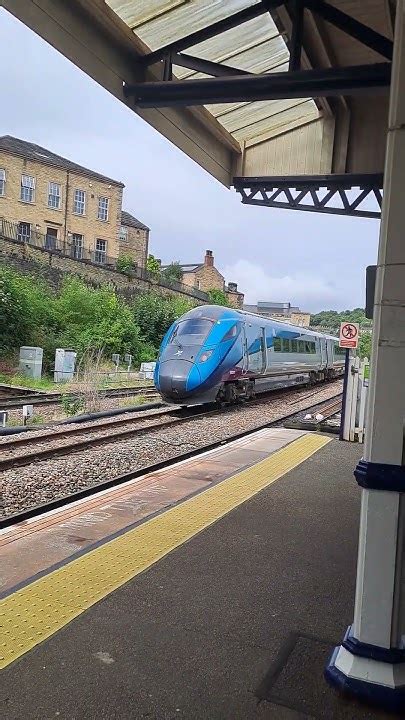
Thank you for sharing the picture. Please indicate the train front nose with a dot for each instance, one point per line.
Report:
(173, 377)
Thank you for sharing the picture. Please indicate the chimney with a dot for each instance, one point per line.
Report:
(209, 259)
(232, 287)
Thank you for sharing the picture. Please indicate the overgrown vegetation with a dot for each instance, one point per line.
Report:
(81, 318)
(125, 263)
(218, 297)
(173, 272)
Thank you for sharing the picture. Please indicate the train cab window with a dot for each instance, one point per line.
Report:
(232, 333)
(195, 329)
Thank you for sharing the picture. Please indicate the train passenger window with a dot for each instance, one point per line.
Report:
(294, 346)
(277, 344)
(286, 345)
(196, 329)
(232, 332)
(301, 346)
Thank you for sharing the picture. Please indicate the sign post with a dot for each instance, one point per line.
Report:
(348, 338)
(349, 335)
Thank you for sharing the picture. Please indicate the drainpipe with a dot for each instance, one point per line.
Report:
(66, 209)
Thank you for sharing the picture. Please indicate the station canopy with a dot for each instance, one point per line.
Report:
(258, 92)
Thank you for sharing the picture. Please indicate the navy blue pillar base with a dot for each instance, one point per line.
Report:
(389, 699)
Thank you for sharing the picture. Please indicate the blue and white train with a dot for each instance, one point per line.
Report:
(214, 353)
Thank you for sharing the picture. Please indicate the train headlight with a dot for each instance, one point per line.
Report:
(205, 355)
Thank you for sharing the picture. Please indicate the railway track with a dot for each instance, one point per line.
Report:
(166, 417)
(53, 398)
(326, 406)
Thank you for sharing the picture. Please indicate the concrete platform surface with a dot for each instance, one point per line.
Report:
(233, 624)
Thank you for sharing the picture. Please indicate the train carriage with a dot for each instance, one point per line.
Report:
(214, 353)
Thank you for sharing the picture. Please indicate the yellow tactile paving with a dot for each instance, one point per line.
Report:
(36, 612)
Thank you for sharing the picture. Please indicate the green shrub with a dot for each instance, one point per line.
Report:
(125, 264)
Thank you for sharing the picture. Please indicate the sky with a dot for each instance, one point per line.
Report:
(311, 260)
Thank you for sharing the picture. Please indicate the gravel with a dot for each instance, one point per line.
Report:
(46, 480)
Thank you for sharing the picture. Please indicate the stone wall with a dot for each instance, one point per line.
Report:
(54, 268)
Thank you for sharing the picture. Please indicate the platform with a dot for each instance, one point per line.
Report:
(219, 595)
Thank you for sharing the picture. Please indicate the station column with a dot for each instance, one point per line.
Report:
(370, 662)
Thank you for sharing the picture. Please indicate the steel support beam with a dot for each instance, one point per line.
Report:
(316, 193)
(297, 9)
(273, 86)
(372, 39)
(206, 66)
(212, 30)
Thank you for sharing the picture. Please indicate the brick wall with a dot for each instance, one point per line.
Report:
(54, 268)
(63, 220)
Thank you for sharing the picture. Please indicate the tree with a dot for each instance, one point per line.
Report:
(173, 272)
(153, 265)
(365, 345)
(218, 297)
(154, 315)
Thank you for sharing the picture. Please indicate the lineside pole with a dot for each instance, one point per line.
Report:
(370, 662)
(344, 397)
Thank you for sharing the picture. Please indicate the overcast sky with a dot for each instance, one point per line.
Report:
(314, 261)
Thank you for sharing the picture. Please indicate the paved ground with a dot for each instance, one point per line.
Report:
(197, 635)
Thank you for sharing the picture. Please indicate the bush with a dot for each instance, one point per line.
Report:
(173, 272)
(154, 315)
(125, 264)
(218, 297)
(153, 265)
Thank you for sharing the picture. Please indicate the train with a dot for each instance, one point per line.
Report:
(224, 355)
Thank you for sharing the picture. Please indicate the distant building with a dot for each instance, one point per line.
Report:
(133, 239)
(280, 311)
(57, 203)
(204, 276)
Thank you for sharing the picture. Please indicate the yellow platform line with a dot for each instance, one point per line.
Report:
(36, 612)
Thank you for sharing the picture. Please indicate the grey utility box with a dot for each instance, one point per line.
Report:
(65, 361)
(31, 361)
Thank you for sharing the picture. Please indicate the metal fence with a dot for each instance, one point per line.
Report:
(26, 234)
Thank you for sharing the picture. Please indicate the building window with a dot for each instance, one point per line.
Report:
(54, 195)
(2, 182)
(123, 233)
(27, 188)
(103, 203)
(100, 255)
(79, 202)
(24, 231)
(77, 246)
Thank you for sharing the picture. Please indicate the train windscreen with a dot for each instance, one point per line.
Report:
(192, 331)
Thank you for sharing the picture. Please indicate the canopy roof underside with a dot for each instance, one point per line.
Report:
(255, 46)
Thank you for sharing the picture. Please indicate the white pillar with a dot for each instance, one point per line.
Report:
(371, 660)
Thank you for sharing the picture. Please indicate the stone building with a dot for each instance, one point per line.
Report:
(59, 204)
(205, 276)
(133, 239)
(280, 311)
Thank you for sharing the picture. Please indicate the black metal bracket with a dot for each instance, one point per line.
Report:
(314, 193)
(327, 82)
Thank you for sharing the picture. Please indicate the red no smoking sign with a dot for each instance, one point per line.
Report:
(349, 335)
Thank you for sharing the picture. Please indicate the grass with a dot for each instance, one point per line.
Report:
(47, 383)
(44, 383)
